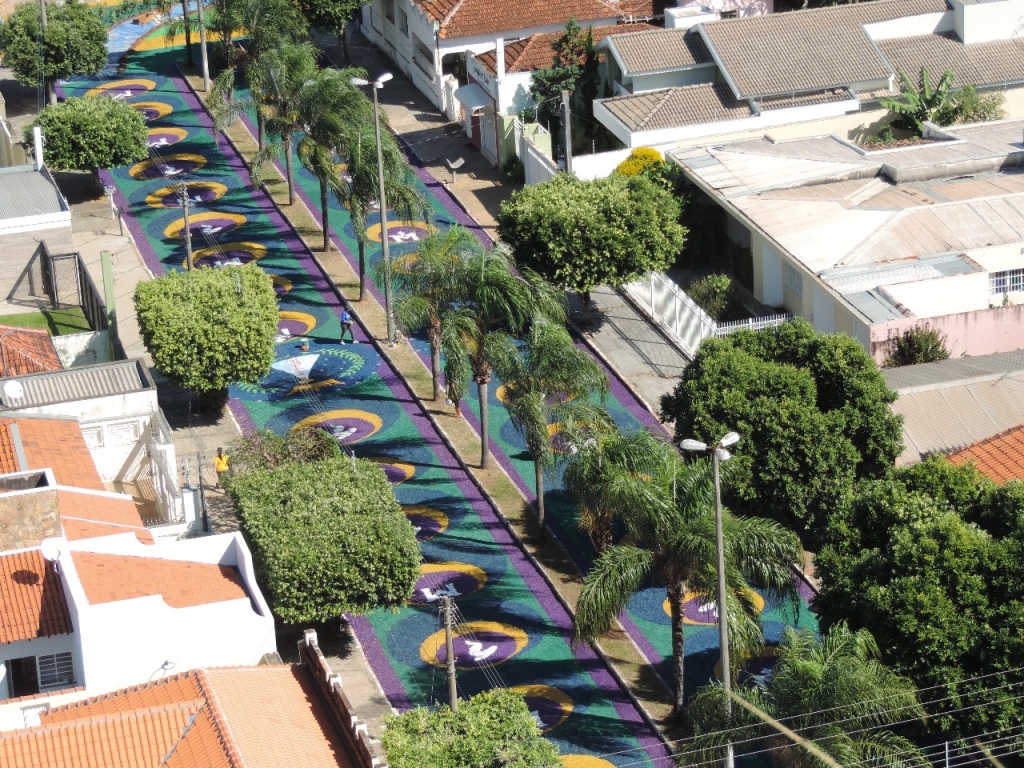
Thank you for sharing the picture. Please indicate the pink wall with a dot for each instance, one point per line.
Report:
(981, 332)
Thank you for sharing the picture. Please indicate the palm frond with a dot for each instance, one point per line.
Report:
(615, 578)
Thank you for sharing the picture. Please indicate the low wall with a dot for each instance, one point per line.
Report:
(83, 348)
(599, 166)
(980, 332)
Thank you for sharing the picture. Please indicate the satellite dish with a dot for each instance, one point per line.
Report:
(51, 549)
(13, 390)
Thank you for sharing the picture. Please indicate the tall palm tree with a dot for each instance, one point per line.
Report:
(497, 303)
(546, 380)
(833, 690)
(668, 509)
(282, 76)
(921, 102)
(401, 191)
(330, 112)
(426, 287)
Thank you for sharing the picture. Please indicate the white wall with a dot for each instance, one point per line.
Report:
(86, 348)
(742, 7)
(676, 78)
(942, 296)
(911, 26)
(983, 22)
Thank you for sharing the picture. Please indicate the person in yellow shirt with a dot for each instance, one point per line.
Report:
(220, 464)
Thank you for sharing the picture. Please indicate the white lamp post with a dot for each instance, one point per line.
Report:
(377, 84)
(719, 454)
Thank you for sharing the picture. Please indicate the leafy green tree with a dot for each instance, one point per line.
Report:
(209, 328)
(582, 234)
(668, 510)
(327, 538)
(496, 303)
(834, 689)
(331, 16)
(263, 449)
(91, 133)
(426, 287)
(812, 409)
(715, 294)
(575, 68)
(548, 379)
(916, 345)
(493, 729)
(75, 43)
(920, 103)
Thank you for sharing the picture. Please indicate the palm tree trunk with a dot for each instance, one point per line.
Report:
(344, 43)
(261, 129)
(602, 536)
(538, 471)
(434, 335)
(288, 166)
(585, 298)
(362, 267)
(188, 33)
(323, 210)
(676, 592)
(485, 453)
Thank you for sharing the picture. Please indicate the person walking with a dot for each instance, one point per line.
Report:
(220, 465)
(346, 326)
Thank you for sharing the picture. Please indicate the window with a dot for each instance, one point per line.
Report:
(22, 677)
(56, 670)
(423, 56)
(793, 280)
(728, 14)
(403, 22)
(389, 10)
(1007, 281)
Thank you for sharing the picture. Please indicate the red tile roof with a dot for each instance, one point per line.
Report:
(88, 515)
(26, 350)
(257, 717)
(536, 52)
(462, 18)
(54, 443)
(1000, 457)
(108, 578)
(32, 602)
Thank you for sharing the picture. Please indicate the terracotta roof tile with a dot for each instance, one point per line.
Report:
(183, 686)
(107, 578)
(8, 456)
(32, 602)
(461, 18)
(1000, 457)
(54, 443)
(26, 350)
(536, 52)
(88, 515)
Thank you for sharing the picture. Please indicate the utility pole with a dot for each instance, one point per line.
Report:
(449, 645)
(202, 49)
(51, 90)
(186, 231)
(568, 131)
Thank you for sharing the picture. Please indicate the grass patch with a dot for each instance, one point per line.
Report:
(58, 322)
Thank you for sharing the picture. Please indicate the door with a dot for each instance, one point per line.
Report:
(489, 138)
(22, 677)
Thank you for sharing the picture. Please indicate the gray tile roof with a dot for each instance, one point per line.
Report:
(82, 383)
(810, 50)
(978, 64)
(804, 99)
(24, 191)
(671, 107)
(663, 49)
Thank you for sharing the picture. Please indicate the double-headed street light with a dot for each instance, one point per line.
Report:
(378, 84)
(720, 454)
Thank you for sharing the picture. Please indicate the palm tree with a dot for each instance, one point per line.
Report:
(833, 690)
(668, 509)
(282, 76)
(426, 287)
(546, 380)
(497, 302)
(401, 191)
(920, 103)
(331, 110)
(178, 26)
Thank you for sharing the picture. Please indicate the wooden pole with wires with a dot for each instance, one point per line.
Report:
(449, 646)
(186, 230)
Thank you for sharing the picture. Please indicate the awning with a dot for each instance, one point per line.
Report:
(474, 99)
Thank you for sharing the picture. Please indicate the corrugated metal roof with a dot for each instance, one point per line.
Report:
(71, 384)
(955, 371)
(24, 191)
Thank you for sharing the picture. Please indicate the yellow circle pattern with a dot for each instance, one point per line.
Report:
(344, 413)
(156, 200)
(551, 694)
(374, 232)
(162, 109)
(434, 514)
(138, 169)
(174, 229)
(757, 599)
(106, 88)
(430, 646)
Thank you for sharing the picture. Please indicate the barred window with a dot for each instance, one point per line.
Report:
(389, 10)
(1007, 281)
(56, 670)
(793, 280)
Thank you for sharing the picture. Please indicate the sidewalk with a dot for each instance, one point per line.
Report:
(641, 356)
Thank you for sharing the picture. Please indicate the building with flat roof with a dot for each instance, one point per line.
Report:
(871, 243)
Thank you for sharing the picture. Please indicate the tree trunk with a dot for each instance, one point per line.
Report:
(323, 210)
(485, 452)
(288, 166)
(434, 335)
(538, 471)
(51, 92)
(362, 267)
(602, 536)
(585, 298)
(261, 129)
(188, 32)
(676, 592)
(343, 41)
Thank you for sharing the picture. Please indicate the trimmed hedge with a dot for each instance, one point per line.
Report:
(327, 539)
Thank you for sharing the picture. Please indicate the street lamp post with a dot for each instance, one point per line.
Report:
(377, 84)
(719, 454)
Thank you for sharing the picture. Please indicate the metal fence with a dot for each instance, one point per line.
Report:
(685, 323)
(164, 474)
(68, 284)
